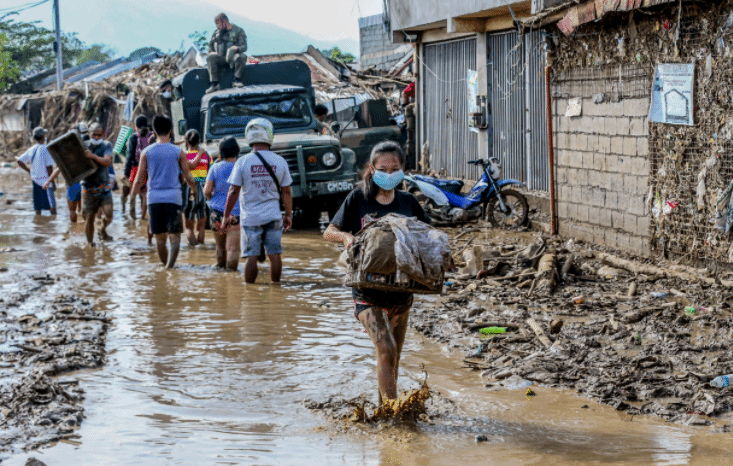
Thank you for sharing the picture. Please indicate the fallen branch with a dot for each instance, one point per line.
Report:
(671, 271)
(538, 331)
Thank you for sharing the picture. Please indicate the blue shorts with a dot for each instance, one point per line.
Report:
(271, 233)
(73, 193)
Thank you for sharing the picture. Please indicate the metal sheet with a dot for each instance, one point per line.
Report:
(517, 101)
(444, 118)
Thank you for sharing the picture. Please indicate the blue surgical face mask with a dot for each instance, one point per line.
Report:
(388, 181)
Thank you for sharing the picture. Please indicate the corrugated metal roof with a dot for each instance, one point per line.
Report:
(121, 67)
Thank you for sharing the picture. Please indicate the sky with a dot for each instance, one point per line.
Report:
(272, 26)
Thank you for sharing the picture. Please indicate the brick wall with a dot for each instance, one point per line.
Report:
(602, 172)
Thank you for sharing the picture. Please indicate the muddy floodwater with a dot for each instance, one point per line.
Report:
(203, 369)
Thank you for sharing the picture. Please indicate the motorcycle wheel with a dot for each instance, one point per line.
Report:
(516, 214)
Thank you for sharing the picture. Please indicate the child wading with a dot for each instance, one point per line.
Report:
(194, 205)
(383, 314)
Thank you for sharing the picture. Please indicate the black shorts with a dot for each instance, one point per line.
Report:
(393, 303)
(165, 218)
(217, 216)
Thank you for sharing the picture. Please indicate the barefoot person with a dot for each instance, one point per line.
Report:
(137, 143)
(261, 187)
(215, 190)
(38, 162)
(382, 313)
(161, 164)
(194, 207)
(96, 189)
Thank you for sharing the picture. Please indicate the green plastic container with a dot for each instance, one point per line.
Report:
(125, 133)
(492, 330)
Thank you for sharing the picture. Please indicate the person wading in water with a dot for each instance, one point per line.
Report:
(383, 314)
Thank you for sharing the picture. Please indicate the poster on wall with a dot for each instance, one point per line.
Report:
(472, 83)
(672, 94)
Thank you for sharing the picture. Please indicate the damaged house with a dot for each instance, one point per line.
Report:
(651, 187)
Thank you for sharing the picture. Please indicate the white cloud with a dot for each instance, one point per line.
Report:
(320, 19)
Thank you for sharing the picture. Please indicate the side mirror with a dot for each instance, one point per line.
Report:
(182, 127)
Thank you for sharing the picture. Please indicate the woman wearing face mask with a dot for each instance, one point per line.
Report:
(382, 313)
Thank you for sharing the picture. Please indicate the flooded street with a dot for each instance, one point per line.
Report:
(203, 369)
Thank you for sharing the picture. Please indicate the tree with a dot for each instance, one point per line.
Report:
(201, 40)
(9, 71)
(143, 51)
(98, 52)
(31, 47)
(336, 54)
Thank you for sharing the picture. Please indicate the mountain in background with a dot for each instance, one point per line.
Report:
(126, 26)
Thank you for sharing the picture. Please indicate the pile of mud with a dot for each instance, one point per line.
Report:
(65, 334)
(645, 343)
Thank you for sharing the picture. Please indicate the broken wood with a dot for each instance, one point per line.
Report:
(538, 331)
(547, 273)
(670, 271)
(632, 289)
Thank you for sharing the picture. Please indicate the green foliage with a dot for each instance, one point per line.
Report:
(336, 54)
(98, 52)
(31, 47)
(142, 51)
(9, 71)
(200, 39)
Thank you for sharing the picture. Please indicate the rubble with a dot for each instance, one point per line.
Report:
(66, 334)
(653, 351)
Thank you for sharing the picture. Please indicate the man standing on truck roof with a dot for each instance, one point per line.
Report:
(263, 179)
(226, 48)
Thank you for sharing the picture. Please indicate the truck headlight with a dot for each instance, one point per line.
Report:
(329, 159)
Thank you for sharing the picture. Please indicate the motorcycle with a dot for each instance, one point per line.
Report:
(490, 198)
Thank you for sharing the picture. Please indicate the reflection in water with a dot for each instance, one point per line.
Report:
(203, 369)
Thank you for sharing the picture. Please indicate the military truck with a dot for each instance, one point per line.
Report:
(323, 171)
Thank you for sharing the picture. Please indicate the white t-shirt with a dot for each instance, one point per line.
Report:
(258, 199)
(38, 158)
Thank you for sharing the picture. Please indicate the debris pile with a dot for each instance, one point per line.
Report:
(101, 102)
(616, 330)
(63, 336)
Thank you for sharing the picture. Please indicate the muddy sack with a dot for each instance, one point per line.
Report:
(400, 246)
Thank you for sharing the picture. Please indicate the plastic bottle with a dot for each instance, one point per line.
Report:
(492, 330)
(721, 381)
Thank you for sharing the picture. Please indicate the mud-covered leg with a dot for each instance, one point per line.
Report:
(375, 322)
(398, 324)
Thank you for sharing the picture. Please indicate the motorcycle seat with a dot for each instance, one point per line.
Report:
(452, 186)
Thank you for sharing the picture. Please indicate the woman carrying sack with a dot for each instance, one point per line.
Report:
(383, 314)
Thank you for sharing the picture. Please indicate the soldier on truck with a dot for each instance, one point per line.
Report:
(226, 49)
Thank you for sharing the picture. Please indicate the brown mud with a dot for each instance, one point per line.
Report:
(200, 368)
(644, 344)
(63, 335)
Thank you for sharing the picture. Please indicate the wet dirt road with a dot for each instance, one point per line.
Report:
(202, 369)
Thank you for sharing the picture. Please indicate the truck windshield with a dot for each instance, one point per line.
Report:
(283, 110)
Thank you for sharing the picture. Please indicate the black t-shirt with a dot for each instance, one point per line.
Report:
(350, 217)
(99, 178)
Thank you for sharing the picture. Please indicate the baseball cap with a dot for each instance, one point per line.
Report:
(39, 131)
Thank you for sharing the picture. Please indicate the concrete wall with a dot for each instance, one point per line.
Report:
(405, 14)
(376, 47)
(602, 173)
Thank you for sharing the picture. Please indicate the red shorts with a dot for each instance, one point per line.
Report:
(133, 174)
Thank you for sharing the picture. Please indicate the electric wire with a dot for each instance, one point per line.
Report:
(19, 8)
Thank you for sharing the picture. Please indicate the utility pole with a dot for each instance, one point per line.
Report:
(59, 62)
